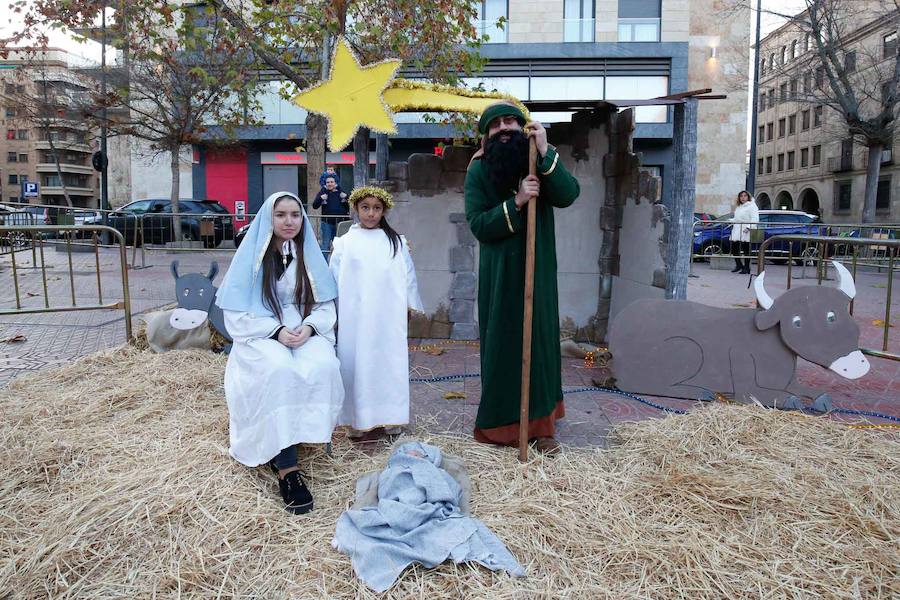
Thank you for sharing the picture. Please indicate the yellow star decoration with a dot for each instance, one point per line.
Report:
(351, 97)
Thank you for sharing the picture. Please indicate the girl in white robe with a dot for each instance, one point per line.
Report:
(376, 283)
(282, 380)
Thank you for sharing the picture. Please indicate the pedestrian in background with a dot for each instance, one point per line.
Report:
(746, 215)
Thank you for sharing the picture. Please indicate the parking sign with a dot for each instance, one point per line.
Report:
(30, 189)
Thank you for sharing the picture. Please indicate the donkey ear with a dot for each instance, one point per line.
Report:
(213, 269)
(766, 319)
(175, 269)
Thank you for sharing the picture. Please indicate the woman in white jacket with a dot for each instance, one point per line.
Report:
(746, 215)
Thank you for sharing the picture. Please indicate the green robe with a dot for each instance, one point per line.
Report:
(501, 232)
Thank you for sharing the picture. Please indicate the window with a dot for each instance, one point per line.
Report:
(790, 160)
(770, 131)
(639, 88)
(759, 166)
(12, 157)
(578, 20)
(883, 195)
(762, 67)
(783, 93)
(804, 120)
(761, 136)
(52, 181)
(762, 102)
(489, 11)
(22, 134)
(781, 162)
(820, 77)
(889, 44)
(768, 164)
(850, 61)
(817, 116)
(10, 134)
(793, 95)
(808, 42)
(772, 61)
(639, 20)
(807, 82)
(792, 124)
(794, 49)
(842, 196)
(13, 178)
(781, 128)
(10, 88)
(23, 158)
(804, 157)
(10, 111)
(771, 98)
(817, 155)
(783, 55)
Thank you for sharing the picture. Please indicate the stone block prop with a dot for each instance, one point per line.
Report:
(462, 311)
(425, 172)
(398, 170)
(462, 258)
(463, 286)
(464, 331)
(457, 158)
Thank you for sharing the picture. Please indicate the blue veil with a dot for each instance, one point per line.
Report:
(241, 289)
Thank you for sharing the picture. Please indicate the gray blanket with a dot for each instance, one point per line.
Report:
(417, 520)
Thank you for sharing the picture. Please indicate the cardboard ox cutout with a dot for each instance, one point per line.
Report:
(196, 296)
(687, 350)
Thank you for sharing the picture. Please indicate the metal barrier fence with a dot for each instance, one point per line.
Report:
(15, 240)
(38, 243)
(711, 239)
(826, 246)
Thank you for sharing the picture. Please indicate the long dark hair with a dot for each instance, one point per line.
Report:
(303, 292)
(392, 235)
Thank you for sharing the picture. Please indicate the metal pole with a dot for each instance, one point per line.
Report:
(751, 172)
(104, 177)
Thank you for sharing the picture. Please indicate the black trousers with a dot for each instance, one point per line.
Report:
(741, 249)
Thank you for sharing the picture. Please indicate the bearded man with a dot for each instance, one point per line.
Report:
(498, 189)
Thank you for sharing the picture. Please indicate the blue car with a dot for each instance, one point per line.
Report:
(713, 237)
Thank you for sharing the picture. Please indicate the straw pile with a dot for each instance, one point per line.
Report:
(115, 482)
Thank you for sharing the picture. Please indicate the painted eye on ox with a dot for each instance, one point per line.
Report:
(796, 321)
(830, 317)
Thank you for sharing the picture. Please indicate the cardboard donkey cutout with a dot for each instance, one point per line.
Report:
(196, 297)
(688, 350)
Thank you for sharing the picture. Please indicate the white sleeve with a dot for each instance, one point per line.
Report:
(243, 326)
(413, 300)
(334, 262)
(322, 318)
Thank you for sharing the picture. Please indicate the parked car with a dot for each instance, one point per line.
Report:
(714, 237)
(702, 216)
(156, 217)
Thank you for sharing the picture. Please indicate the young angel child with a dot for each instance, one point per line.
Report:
(376, 283)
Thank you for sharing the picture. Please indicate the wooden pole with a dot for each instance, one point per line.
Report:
(529, 306)
(681, 202)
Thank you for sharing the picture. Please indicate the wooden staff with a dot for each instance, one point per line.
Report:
(529, 308)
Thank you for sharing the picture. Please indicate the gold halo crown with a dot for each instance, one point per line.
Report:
(370, 190)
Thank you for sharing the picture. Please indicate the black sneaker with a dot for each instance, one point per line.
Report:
(297, 497)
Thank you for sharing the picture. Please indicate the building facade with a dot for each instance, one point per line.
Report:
(805, 158)
(42, 125)
(570, 50)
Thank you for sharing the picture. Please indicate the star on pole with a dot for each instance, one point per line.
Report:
(352, 97)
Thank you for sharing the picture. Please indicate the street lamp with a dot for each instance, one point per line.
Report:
(104, 175)
(751, 171)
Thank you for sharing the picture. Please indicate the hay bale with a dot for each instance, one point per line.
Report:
(121, 486)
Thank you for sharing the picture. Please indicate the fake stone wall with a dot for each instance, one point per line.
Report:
(430, 212)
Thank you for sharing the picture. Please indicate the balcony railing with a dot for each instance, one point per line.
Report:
(887, 157)
(837, 164)
(639, 30)
(65, 168)
(578, 30)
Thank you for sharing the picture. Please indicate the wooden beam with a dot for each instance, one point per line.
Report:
(681, 203)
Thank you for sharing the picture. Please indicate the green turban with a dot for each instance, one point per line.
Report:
(499, 109)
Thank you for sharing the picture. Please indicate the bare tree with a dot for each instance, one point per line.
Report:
(832, 63)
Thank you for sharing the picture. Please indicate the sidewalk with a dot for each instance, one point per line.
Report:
(58, 338)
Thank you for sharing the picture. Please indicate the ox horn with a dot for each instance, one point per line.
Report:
(764, 299)
(845, 280)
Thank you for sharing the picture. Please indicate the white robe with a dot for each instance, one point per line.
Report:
(278, 396)
(374, 290)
